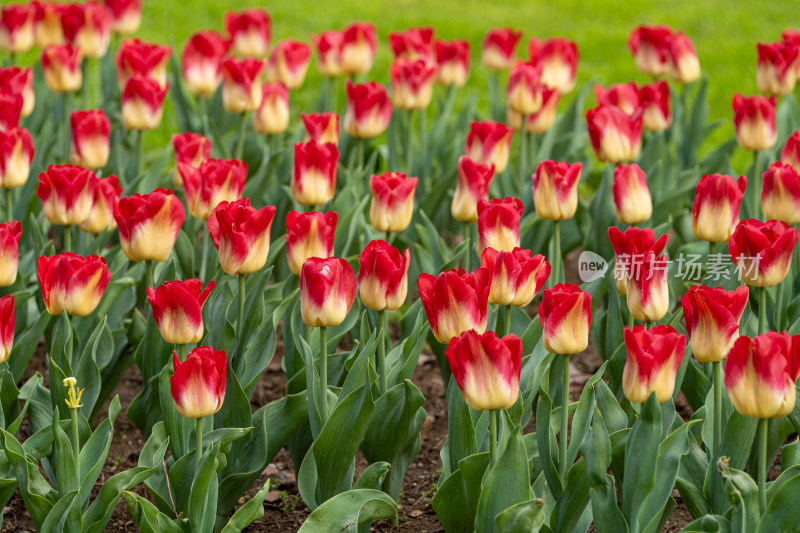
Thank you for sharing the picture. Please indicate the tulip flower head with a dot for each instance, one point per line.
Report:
(6, 326)
(489, 143)
(629, 247)
(10, 233)
(201, 62)
(191, 149)
(10, 111)
(329, 49)
(250, 31)
(241, 234)
(654, 100)
(143, 103)
(369, 110)
(16, 155)
(762, 251)
(273, 115)
(392, 205)
(632, 202)
(712, 320)
(67, 194)
(715, 212)
(197, 385)
(101, 215)
(777, 67)
(754, 118)
(314, 176)
(647, 290)
(71, 283)
(790, 154)
(140, 58)
(241, 84)
(412, 83)
(780, 197)
(559, 59)
(149, 224)
(359, 44)
(542, 120)
(61, 65)
(555, 189)
(178, 309)
(89, 146)
(288, 63)
(654, 356)
(327, 291)
(47, 23)
(309, 235)
(452, 60)
(413, 44)
(88, 27)
(499, 48)
(19, 81)
(455, 301)
(516, 276)
(126, 15)
(524, 93)
(472, 187)
(622, 95)
(566, 315)
(616, 137)
(215, 181)
(16, 28)
(498, 224)
(383, 276)
(321, 127)
(650, 47)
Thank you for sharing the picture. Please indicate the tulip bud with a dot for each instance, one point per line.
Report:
(88, 27)
(777, 67)
(10, 233)
(329, 48)
(654, 356)
(6, 326)
(71, 283)
(126, 15)
(359, 43)
(178, 309)
(712, 320)
(489, 143)
(754, 117)
(142, 103)
(392, 201)
(16, 154)
(412, 83)
(139, 58)
(622, 95)
(191, 149)
(650, 47)
(647, 289)
(327, 291)
(149, 224)
(683, 66)
(559, 60)
(288, 63)
(89, 146)
(654, 99)
(780, 197)
(368, 111)
(632, 202)
(566, 315)
(790, 155)
(10, 111)
(241, 234)
(473, 186)
(47, 23)
(498, 224)
(67, 193)
(16, 28)
(309, 235)
(555, 189)
(452, 60)
(455, 301)
(760, 374)
(197, 385)
(101, 215)
(201, 62)
(61, 65)
(215, 181)
(273, 115)
(516, 277)
(524, 92)
(19, 81)
(629, 247)
(250, 32)
(413, 44)
(715, 212)
(616, 137)
(486, 368)
(542, 120)
(241, 87)
(383, 276)
(762, 251)
(314, 176)
(499, 48)
(321, 127)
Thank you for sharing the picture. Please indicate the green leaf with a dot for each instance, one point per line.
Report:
(597, 450)
(95, 450)
(461, 440)
(546, 444)
(570, 507)
(61, 516)
(26, 344)
(456, 501)
(709, 524)
(346, 511)
(524, 517)
(781, 513)
(247, 513)
(203, 496)
(738, 437)
(372, 477)
(743, 492)
(148, 517)
(641, 449)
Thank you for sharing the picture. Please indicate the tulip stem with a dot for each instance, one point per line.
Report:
(148, 273)
(137, 141)
(360, 154)
(198, 439)
(67, 127)
(76, 439)
(9, 211)
(507, 320)
(67, 239)
(204, 257)
(712, 249)
(557, 252)
(763, 433)
(410, 143)
(421, 135)
(492, 435)
(323, 373)
(181, 351)
(717, 365)
(241, 306)
(240, 139)
(523, 152)
(381, 361)
(562, 441)
(756, 185)
(466, 237)
(762, 310)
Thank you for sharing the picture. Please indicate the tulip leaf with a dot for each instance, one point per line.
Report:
(738, 437)
(790, 455)
(248, 457)
(25, 344)
(64, 516)
(147, 517)
(247, 513)
(597, 450)
(571, 507)
(203, 496)
(373, 476)
(582, 419)
(346, 511)
(456, 501)
(641, 449)
(708, 524)
(547, 443)
(613, 415)
(283, 417)
(523, 517)
(403, 358)
(781, 512)
(95, 450)
(743, 492)
(461, 439)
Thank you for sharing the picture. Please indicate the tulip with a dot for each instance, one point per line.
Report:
(16, 28)
(288, 63)
(489, 143)
(791, 36)
(126, 15)
(498, 224)
(149, 224)
(392, 201)
(473, 186)
(566, 314)
(555, 189)
(19, 81)
(273, 115)
(542, 120)
(16, 154)
(201, 62)
(683, 66)
(754, 117)
(762, 251)
(10, 233)
(241, 87)
(321, 127)
(191, 149)
(712, 320)
(142, 103)
(383, 276)
(10, 111)
(780, 198)
(7, 325)
(88, 27)
(71, 283)
(455, 301)
(452, 60)
(412, 83)
(654, 356)
(241, 234)
(139, 58)
(777, 67)
(790, 154)
(250, 32)
(314, 176)
(329, 48)
(524, 92)
(197, 385)
(61, 65)
(47, 27)
(647, 289)
(178, 309)
(650, 47)
(101, 216)
(715, 212)
(654, 99)
(499, 48)
(89, 146)
(632, 202)
(616, 137)
(309, 235)
(622, 95)
(629, 248)
(369, 110)
(67, 193)
(359, 43)
(215, 181)
(516, 277)
(327, 291)
(413, 44)
(559, 60)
